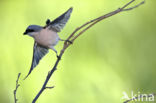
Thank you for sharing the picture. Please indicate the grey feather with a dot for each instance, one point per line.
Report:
(60, 22)
(38, 53)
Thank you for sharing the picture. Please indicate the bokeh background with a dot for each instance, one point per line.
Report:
(117, 55)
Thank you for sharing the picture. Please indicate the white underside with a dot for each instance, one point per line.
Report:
(47, 38)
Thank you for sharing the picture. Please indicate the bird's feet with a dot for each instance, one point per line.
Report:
(68, 41)
(58, 57)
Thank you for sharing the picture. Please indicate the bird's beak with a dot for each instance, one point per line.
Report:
(25, 33)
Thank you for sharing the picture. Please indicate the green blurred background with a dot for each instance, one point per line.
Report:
(116, 55)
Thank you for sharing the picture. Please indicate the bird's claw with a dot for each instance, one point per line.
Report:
(58, 57)
(68, 41)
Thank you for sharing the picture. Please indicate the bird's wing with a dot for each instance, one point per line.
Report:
(38, 53)
(59, 22)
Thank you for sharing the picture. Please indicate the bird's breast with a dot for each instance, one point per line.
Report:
(47, 38)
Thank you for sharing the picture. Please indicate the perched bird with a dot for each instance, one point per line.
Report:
(46, 37)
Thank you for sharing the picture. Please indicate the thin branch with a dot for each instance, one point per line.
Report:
(73, 37)
(127, 4)
(134, 6)
(49, 87)
(107, 15)
(17, 85)
(140, 96)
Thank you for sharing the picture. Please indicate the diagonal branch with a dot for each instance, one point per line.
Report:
(74, 35)
(15, 91)
(135, 6)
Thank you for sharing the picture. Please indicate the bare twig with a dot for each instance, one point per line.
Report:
(140, 96)
(49, 87)
(135, 6)
(17, 85)
(74, 36)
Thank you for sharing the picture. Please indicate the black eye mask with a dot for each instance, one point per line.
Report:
(28, 31)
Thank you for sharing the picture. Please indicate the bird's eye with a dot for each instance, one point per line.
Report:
(29, 30)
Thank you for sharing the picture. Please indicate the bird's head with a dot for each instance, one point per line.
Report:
(32, 30)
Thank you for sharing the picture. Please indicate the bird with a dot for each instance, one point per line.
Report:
(46, 37)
